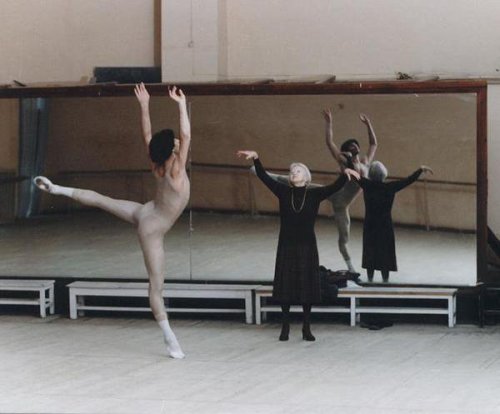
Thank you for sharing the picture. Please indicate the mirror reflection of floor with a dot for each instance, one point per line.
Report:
(224, 247)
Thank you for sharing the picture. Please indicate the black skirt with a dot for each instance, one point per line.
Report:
(296, 276)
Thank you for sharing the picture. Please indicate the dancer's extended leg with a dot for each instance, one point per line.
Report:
(123, 209)
(154, 257)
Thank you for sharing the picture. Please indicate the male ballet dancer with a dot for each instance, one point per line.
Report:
(155, 218)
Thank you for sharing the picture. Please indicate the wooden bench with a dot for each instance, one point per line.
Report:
(21, 285)
(79, 290)
(355, 295)
(447, 297)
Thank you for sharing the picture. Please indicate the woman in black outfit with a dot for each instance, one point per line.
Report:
(296, 276)
(379, 247)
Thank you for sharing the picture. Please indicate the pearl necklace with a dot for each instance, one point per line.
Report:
(303, 201)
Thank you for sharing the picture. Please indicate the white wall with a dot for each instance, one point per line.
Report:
(62, 40)
(351, 39)
(190, 40)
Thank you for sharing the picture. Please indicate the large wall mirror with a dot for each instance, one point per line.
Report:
(236, 222)
(230, 230)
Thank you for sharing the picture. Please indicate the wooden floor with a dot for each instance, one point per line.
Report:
(115, 365)
(221, 247)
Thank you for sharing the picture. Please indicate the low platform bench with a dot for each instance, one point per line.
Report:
(447, 298)
(78, 291)
(44, 288)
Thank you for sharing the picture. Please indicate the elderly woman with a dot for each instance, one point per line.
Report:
(379, 247)
(296, 276)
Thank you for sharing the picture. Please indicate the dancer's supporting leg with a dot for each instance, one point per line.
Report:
(306, 327)
(151, 241)
(285, 322)
(343, 222)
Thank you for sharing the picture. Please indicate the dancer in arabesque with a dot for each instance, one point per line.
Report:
(153, 219)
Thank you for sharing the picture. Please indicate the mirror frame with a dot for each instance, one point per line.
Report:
(270, 87)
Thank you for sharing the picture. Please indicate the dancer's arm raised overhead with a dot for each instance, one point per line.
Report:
(143, 97)
(335, 151)
(372, 138)
(185, 130)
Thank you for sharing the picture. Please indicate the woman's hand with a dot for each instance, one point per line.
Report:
(426, 169)
(177, 95)
(247, 154)
(142, 94)
(351, 174)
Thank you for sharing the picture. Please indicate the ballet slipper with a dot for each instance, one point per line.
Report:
(43, 183)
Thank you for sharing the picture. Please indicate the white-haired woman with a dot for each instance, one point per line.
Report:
(379, 246)
(296, 276)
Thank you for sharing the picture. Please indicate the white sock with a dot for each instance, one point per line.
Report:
(173, 347)
(44, 184)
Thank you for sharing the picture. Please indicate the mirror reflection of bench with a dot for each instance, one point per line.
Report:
(445, 301)
(44, 288)
(78, 291)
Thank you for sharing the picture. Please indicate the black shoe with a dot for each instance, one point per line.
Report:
(307, 335)
(285, 330)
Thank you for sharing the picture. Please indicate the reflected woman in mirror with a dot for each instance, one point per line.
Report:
(154, 219)
(347, 157)
(379, 248)
(296, 276)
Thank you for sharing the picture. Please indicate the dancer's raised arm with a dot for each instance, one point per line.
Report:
(372, 138)
(335, 151)
(184, 126)
(143, 97)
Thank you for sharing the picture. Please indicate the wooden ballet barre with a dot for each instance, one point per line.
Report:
(80, 290)
(355, 309)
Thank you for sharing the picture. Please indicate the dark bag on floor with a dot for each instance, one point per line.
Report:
(331, 281)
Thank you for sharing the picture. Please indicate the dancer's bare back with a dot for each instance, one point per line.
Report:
(172, 182)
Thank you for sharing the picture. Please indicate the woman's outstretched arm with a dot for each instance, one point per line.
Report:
(269, 182)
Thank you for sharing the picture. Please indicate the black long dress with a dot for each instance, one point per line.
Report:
(379, 247)
(296, 275)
